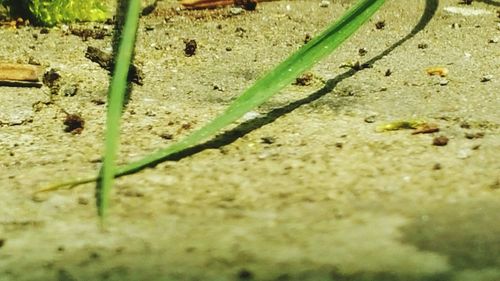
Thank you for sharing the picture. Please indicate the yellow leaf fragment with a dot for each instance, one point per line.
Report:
(437, 70)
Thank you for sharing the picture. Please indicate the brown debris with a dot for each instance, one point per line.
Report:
(74, 124)
(440, 141)
(190, 47)
(426, 128)
(105, 60)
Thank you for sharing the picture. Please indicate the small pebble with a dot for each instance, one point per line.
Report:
(443, 82)
(440, 141)
(236, 11)
(493, 40)
(250, 115)
(324, 4)
(370, 119)
(486, 78)
(423, 46)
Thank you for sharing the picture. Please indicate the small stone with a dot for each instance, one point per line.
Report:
(370, 119)
(486, 78)
(423, 46)
(493, 40)
(236, 11)
(250, 115)
(440, 141)
(190, 47)
(443, 82)
(324, 4)
(380, 24)
(268, 140)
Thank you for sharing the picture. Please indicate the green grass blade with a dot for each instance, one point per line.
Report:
(281, 76)
(116, 95)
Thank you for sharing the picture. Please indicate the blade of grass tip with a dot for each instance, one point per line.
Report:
(116, 94)
(279, 77)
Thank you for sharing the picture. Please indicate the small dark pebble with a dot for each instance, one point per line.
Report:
(440, 141)
(50, 77)
(2, 242)
(149, 9)
(304, 80)
(362, 51)
(268, 140)
(307, 38)
(423, 46)
(465, 125)
(229, 49)
(94, 33)
(44, 30)
(249, 5)
(190, 47)
(477, 135)
(437, 166)
(166, 136)
(360, 66)
(98, 101)
(380, 24)
(339, 145)
(245, 274)
(60, 249)
(388, 72)
(74, 124)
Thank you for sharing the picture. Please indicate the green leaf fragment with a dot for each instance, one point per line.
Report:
(52, 12)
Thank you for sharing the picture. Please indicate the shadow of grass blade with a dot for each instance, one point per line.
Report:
(116, 95)
(279, 77)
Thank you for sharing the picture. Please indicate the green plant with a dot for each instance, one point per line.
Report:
(116, 94)
(52, 12)
(282, 75)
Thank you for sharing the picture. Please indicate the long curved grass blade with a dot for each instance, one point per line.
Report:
(116, 95)
(281, 76)
(274, 81)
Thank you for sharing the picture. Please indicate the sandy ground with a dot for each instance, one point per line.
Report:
(307, 190)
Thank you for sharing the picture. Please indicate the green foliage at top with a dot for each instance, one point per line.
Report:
(52, 12)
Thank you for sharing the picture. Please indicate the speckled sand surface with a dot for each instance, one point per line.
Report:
(306, 191)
